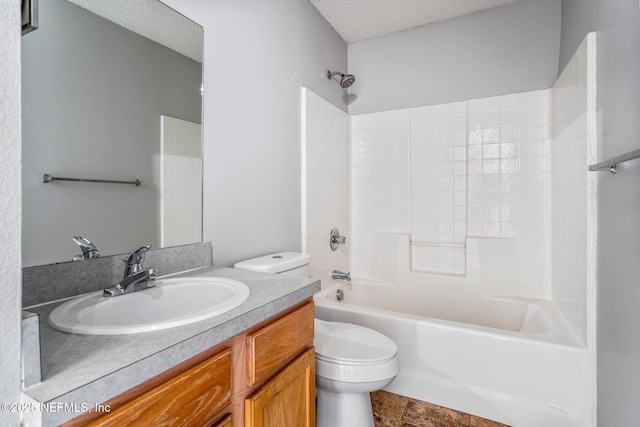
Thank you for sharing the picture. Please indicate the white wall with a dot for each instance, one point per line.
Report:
(10, 207)
(257, 57)
(494, 52)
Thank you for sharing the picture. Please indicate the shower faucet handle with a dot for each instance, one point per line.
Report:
(336, 239)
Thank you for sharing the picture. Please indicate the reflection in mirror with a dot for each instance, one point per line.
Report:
(102, 102)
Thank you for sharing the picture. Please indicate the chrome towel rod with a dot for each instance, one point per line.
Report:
(611, 165)
(48, 178)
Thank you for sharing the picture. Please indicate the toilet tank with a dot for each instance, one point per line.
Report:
(293, 264)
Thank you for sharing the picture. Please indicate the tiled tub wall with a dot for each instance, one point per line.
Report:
(574, 189)
(455, 194)
(325, 183)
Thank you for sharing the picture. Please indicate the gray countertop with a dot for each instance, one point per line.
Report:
(84, 370)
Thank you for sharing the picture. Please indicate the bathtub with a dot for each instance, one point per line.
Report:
(511, 360)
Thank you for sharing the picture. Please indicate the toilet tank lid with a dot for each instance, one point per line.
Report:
(274, 263)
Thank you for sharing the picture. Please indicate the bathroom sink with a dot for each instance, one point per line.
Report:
(172, 302)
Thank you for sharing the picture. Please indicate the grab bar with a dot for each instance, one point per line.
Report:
(611, 165)
(48, 178)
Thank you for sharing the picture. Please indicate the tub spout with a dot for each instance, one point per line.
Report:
(340, 275)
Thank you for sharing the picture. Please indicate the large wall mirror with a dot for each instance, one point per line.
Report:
(102, 102)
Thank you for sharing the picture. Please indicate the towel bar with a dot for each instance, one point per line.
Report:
(48, 178)
(611, 165)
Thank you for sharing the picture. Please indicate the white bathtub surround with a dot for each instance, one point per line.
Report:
(180, 182)
(574, 214)
(574, 188)
(449, 176)
(512, 360)
(325, 183)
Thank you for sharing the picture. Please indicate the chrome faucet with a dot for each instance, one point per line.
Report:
(340, 275)
(87, 248)
(135, 277)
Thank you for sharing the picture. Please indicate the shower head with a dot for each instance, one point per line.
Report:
(346, 80)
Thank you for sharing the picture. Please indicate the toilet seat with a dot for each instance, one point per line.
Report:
(351, 344)
(353, 353)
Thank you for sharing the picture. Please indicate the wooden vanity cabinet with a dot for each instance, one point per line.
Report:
(264, 376)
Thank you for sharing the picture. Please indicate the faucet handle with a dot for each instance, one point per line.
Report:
(87, 248)
(336, 239)
(133, 262)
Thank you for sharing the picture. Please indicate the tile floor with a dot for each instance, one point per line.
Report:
(392, 410)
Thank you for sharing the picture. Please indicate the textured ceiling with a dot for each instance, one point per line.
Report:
(153, 20)
(357, 20)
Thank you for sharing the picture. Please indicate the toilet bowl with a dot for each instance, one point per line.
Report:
(351, 360)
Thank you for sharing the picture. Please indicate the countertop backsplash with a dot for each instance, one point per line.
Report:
(45, 283)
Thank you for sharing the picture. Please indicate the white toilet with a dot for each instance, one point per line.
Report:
(351, 360)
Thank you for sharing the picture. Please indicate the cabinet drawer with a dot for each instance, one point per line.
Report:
(193, 398)
(272, 346)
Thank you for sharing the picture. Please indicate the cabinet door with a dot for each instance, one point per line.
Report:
(193, 398)
(225, 422)
(288, 399)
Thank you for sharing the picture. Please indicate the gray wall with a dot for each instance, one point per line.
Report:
(93, 93)
(618, 25)
(10, 222)
(578, 19)
(257, 56)
(495, 52)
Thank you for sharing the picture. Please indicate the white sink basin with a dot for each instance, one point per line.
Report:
(172, 302)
